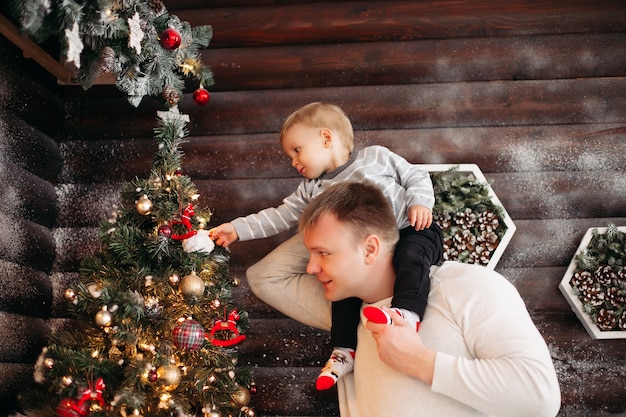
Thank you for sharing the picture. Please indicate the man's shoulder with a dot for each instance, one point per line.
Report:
(471, 276)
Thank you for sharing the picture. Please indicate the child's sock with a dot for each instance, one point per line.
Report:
(378, 315)
(340, 363)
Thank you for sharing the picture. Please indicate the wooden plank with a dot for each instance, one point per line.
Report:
(34, 51)
(28, 147)
(494, 149)
(403, 20)
(289, 390)
(28, 196)
(22, 337)
(418, 62)
(471, 104)
(525, 195)
(24, 290)
(26, 243)
(14, 377)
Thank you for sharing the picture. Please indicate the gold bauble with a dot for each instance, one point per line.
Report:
(103, 317)
(143, 205)
(212, 411)
(169, 377)
(241, 397)
(192, 286)
(70, 294)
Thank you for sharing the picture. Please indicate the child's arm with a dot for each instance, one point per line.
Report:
(420, 217)
(224, 234)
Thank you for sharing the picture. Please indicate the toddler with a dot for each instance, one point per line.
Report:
(319, 140)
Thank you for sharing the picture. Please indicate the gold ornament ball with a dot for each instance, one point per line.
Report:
(212, 412)
(169, 376)
(174, 279)
(192, 286)
(143, 205)
(103, 317)
(241, 397)
(70, 294)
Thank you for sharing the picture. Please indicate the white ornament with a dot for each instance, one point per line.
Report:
(136, 34)
(74, 45)
(200, 242)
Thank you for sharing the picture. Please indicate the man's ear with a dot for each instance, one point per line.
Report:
(327, 137)
(371, 246)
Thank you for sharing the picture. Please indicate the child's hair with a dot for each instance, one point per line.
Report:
(322, 115)
(360, 205)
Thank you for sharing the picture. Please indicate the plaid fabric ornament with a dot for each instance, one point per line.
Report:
(188, 335)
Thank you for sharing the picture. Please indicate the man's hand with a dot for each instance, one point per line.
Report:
(401, 347)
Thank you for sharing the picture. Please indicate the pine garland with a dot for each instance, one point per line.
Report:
(121, 37)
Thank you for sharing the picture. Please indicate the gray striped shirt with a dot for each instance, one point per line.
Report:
(403, 184)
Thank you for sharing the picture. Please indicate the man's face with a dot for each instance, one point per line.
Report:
(335, 259)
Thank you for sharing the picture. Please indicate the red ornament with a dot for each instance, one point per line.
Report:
(228, 325)
(165, 230)
(185, 220)
(152, 375)
(188, 335)
(170, 39)
(201, 96)
(93, 393)
(69, 407)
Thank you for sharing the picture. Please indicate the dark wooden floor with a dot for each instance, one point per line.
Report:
(531, 91)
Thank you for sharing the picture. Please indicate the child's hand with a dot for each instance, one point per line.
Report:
(420, 217)
(224, 234)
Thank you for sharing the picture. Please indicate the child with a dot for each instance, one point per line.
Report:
(319, 140)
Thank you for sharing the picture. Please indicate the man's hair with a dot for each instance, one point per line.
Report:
(360, 205)
(322, 115)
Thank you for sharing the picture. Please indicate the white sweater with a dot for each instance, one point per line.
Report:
(492, 360)
(403, 184)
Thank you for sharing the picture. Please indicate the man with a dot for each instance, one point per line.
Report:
(477, 351)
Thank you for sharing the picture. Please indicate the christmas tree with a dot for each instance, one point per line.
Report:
(149, 51)
(156, 333)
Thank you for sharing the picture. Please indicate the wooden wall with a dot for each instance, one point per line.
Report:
(30, 116)
(531, 91)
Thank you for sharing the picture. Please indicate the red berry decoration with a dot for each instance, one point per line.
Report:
(188, 335)
(170, 39)
(201, 96)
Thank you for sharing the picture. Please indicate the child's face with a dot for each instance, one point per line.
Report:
(309, 150)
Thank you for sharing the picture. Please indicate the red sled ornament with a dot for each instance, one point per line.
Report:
(93, 393)
(228, 325)
(185, 220)
(68, 407)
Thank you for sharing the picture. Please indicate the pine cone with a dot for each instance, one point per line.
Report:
(621, 323)
(581, 280)
(107, 60)
(621, 276)
(604, 275)
(606, 319)
(157, 6)
(466, 219)
(170, 94)
(465, 240)
(490, 239)
(443, 220)
(481, 254)
(616, 297)
(593, 296)
(488, 221)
